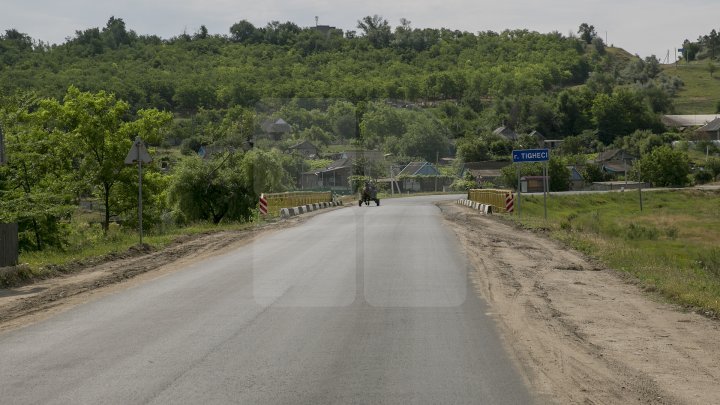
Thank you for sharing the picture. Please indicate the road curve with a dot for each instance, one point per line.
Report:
(359, 305)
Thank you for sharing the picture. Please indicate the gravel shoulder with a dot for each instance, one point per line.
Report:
(585, 334)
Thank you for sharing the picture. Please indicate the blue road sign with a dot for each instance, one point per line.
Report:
(530, 155)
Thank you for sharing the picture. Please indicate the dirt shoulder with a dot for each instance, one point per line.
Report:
(31, 303)
(584, 334)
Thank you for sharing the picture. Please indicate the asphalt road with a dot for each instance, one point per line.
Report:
(359, 305)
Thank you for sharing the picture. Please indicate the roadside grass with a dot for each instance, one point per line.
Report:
(699, 95)
(88, 244)
(671, 246)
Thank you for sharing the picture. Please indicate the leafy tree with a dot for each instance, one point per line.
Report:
(473, 149)
(342, 118)
(587, 32)
(379, 122)
(592, 173)
(35, 180)
(114, 34)
(101, 136)
(713, 166)
(664, 167)
(245, 32)
(376, 30)
(621, 113)
(212, 189)
(425, 138)
(263, 171)
(559, 175)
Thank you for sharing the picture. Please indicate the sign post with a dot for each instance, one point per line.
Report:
(138, 153)
(528, 156)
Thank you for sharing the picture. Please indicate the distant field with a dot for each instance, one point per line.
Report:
(671, 246)
(701, 92)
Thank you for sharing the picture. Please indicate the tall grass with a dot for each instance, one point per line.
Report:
(671, 246)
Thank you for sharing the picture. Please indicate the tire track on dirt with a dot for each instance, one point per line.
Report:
(582, 333)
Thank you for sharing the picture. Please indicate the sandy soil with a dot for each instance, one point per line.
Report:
(30, 303)
(582, 333)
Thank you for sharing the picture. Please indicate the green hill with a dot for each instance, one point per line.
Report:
(700, 93)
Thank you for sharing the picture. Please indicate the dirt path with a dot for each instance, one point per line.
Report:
(583, 334)
(31, 303)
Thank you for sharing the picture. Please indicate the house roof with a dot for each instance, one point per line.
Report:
(303, 144)
(419, 168)
(614, 154)
(688, 120)
(506, 132)
(279, 125)
(485, 173)
(538, 135)
(616, 166)
(711, 126)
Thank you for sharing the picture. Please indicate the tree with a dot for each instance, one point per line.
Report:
(115, 34)
(36, 182)
(101, 136)
(587, 33)
(377, 30)
(472, 149)
(713, 166)
(664, 167)
(244, 32)
(212, 189)
(620, 114)
(559, 175)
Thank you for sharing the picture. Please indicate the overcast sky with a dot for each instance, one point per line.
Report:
(643, 27)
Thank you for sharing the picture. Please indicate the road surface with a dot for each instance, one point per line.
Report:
(358, 305)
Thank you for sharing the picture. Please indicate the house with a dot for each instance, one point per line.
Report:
(490, 171)
(275, 129)
(552, 143)
(419, 169)
(207, 151)
(685, 121)
(304, 148)
(539, 138)
(418, 184)
(337, 174)
(506, 133)
(577, 181)
(711, 130)
(615, 161)
(533, 184)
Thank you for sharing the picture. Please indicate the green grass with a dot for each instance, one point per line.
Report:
(88, 244)
(701, 93)
(670, 246)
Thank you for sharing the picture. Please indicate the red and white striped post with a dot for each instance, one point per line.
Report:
(262, 205)
(509, 202)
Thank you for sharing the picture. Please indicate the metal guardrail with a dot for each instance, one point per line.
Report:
(494, 197)
(276, 201)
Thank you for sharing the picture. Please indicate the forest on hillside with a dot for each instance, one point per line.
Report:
(69, 111)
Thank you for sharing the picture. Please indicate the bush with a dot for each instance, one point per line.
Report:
(709, 261)
(703, 177)
(640, 232)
